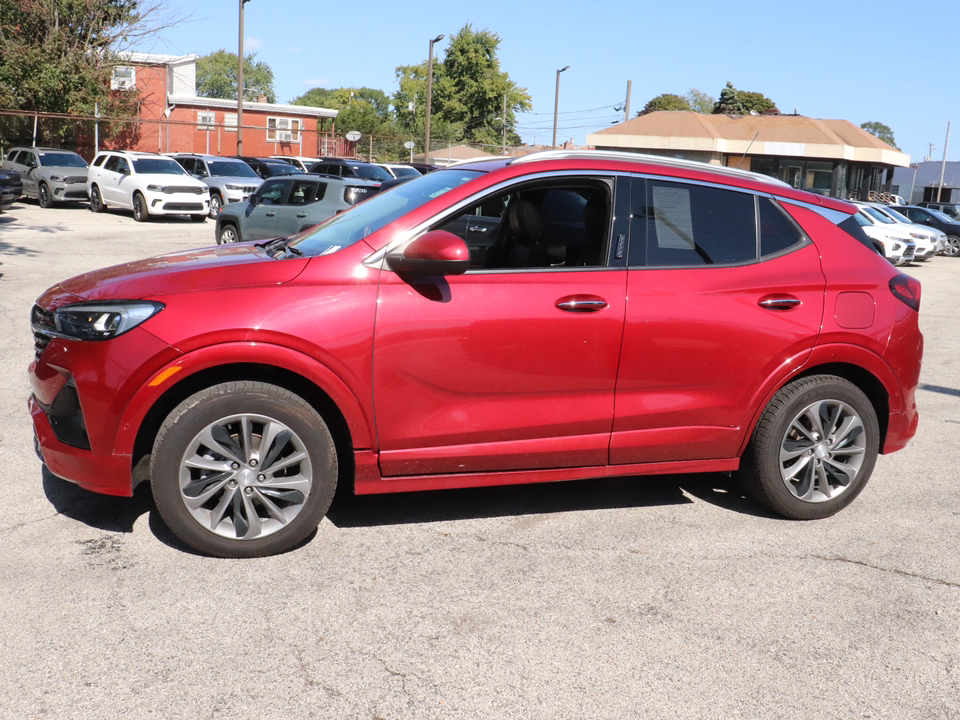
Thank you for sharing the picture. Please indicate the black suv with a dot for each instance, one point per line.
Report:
(11, 188)
(268, 167)
(351, 168)
(935, 219)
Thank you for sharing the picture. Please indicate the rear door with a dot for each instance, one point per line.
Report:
(718, 302)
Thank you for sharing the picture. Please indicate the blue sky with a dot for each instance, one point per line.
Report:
(859, 61)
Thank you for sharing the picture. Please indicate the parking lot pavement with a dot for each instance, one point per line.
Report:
(662, 597)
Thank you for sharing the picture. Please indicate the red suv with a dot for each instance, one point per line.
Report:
(554, 317)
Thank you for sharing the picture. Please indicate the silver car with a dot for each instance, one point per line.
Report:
(229, 179)
(49, 175)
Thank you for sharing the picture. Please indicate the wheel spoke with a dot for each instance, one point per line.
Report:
(796, 468)
(217, 439)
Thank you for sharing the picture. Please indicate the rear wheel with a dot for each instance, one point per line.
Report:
(43, 196)
(953, 246)
(215, 205)
(813, 450)
(140, 212)
(243, 469)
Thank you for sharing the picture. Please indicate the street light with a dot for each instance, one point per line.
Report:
(556, 105)
(240, 83)
(426, 139)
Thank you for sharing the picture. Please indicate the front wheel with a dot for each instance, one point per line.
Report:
(813, 450)
(953, 246)
(140, 213)
(228, 234)
(243, 469)
(43, 196)
(96, 202)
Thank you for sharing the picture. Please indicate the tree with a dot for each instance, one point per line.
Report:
(58, 55)
(365, 110)
(667, 101)
(217, 77)
(880, 131)
(468, 93)
(699, 101)
(741, 102)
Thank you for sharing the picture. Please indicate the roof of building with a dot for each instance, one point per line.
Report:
(783, 135)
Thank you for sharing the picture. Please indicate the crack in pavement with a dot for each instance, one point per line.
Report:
(904, 573)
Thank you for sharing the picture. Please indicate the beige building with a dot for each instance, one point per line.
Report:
(828, 157)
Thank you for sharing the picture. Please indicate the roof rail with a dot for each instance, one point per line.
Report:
(651, 159)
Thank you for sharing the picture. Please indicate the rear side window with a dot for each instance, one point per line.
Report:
(777, 231)
(98, 161)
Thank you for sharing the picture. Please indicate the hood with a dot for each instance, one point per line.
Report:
(211, 268)
(236, 179)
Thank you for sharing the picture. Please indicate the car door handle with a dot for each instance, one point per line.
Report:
(270, 214)
(780, 302)
(301, 215)
(476, 228)
(581, 303)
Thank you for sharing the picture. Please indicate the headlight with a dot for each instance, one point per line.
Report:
(233, 187)
(57, 178)
(104, 320)
(156, 188)
(917, 236)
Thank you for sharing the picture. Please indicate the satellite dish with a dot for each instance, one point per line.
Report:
(353, 136)
(409, 144)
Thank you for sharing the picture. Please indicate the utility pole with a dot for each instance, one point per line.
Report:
(426, 139)
(943, 165)
(504, 123)
(240, 83)
(556, 107)
(626, 105)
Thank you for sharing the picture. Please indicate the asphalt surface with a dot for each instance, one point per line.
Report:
(654, 597)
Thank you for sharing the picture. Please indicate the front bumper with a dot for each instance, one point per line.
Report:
(159, 203)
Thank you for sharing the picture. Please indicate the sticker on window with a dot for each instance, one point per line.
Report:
(671, 212)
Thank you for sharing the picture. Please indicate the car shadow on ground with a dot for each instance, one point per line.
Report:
(119, 514)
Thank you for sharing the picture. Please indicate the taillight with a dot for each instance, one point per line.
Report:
(907, 290)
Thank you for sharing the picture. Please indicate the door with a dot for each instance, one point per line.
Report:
(260, 221)
(27, 167)
(512, 365)
(295, 212)
(718, 304)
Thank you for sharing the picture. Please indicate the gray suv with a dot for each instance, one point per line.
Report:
(288, 204)
(50, 175)
(230, 180)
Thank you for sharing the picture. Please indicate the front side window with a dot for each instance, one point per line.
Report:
(274, 192)
(303, 192)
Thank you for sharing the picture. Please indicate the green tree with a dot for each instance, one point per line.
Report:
(469, 88)
(667, 101)
(699, 101)
(741, 102)
(217, 77)
(58, 55)
(880, 131)
(365, 110)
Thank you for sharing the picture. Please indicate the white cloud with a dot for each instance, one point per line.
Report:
(252, 43)
(316, 83)
(295, 49)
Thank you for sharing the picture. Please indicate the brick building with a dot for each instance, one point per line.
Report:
(172, 118)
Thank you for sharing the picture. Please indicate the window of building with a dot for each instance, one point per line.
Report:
(230, 122)
(206, 120)
(124, 78)
(283, 129)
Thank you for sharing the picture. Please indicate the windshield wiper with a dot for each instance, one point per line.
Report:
(274, 246)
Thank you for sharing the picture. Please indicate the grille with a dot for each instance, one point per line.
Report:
(73, 179)
(171, 189)
(182, 207)
(42, 324)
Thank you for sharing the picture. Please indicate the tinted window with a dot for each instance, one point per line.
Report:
(98, 161)
(157, 166)
(62, 159)
(230, 168)
(777, 231)
(372, 172)
(691, 225)
(303, 192)
(273, 192)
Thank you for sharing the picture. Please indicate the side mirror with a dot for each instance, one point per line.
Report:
(254, 200)
(437, 252)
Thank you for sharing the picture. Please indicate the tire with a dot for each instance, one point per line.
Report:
(228, 234)
(207, 470)
(96, 201)
(198, 218)
(216, 204)
(953, 246)
(798, 462)
(43, 196)
(140, 212)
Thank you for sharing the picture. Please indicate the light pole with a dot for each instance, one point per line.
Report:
(240, 83)
(426, 139)
(556, 105)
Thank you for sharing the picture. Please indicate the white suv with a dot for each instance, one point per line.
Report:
(147, 183)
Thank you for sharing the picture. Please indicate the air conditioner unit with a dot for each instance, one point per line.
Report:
(121, 84)
(285, 136)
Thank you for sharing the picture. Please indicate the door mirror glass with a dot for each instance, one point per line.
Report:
(437, 252)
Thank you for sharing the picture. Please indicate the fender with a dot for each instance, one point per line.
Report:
(358, 414)
(830, 353)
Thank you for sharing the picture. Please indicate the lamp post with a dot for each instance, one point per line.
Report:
(426, 139)
(556, 105)
(240, 83)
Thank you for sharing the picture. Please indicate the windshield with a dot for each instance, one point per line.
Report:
(897, 216)
(158, 166)
(56, 159)
(874, 212)
(404, 171)
(230, 168)
(869, 220)
(373, 172)
(345, 229)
